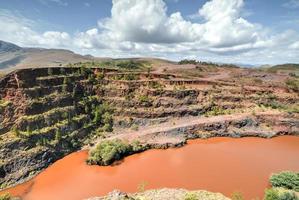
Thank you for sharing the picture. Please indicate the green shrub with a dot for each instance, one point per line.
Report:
(216, 110)
(58, 135)
(137, 146)
(50, 71)
(107, 128)
(293, 74)
(144, 99)
(130, 77)
(258, 81)
(293, 84)
(141, 186)
(83, 71)
(135, 127)
(91, 78)
(76, 91)
(279, 194)
(186, 61)
(273, 104)
(62, 71)
(108, 122)
(97, 116)
(109, 151)
(65, 84)
(289, 196)
(293, 108)
(129, 96)
(103, 116)
(271, 194)
(155, 85)
(100, 76)
(129, 64)
(190, 196)
(5, 197)
(28, 130)
(237, 196)
(286, 179)
(16, 132)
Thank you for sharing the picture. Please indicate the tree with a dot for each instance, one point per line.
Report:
(97, 116)
(237, 196)
(108, 122)
(58, 135)
(280, 194)
(108, 151)
(75, 91)
(28, 130)
(286, 179)
(5, 197)
(62, 71)
(16, 131)
(65, 84)
(271, 194)
(50, 71)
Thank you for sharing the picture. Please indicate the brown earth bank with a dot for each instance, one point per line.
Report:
(47, 113)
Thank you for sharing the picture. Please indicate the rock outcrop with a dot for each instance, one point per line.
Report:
(163, 194)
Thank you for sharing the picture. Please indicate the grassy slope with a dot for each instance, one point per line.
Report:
(284, 67)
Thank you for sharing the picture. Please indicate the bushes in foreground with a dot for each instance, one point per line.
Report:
(108, 151)
(5, 197)
(288, 180)
(280, 194)
(284, 184)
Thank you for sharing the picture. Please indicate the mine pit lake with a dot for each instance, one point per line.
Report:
(224, 165)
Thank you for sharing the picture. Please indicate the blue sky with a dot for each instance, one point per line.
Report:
(235, 31)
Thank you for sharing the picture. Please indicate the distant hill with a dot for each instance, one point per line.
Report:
(8, 47)
(288, 66)
(13, 56)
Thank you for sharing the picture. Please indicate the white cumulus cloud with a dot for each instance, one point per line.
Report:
(146, 28)
(146, 22)
(19, 30)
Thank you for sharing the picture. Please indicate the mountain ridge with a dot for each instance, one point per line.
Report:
(14, 57)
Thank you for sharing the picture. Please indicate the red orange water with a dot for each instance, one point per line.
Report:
(221, 165)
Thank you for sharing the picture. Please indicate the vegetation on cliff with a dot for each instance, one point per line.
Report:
(108, 151)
